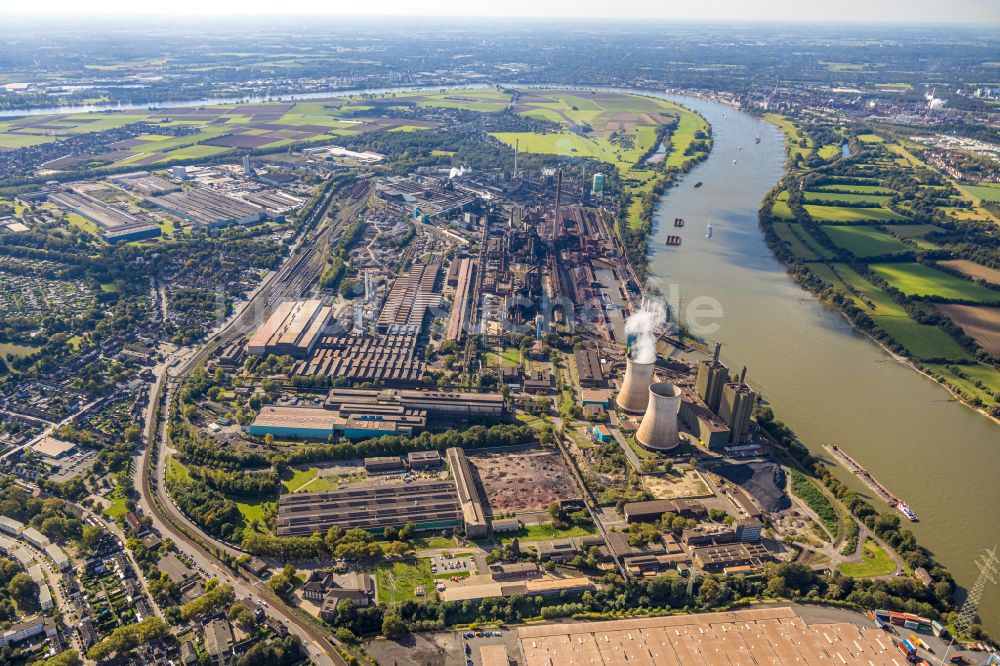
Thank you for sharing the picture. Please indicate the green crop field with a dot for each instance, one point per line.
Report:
(785, 233)
(915, 279)
(923, 341)
(870, 138)
(875, 562)
(847, 198)
(985, 191)
(780, 207)
(864, 241)
(845, 214)
(11, 140)
(850, 188)
(867, 296)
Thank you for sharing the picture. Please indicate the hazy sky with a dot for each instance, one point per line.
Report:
(951, 11)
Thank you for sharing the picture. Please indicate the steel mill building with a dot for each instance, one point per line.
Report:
(293, 329)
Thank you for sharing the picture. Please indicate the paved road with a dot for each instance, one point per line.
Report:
(296, 275)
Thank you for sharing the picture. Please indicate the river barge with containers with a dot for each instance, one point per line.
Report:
(854, 467)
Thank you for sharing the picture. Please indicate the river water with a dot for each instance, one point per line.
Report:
(825, 380)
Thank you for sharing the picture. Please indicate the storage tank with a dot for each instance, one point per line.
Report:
(634, 394)
(658, 429)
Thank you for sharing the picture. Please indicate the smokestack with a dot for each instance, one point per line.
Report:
(634, 394)
(743, 376)
(715, 357)
(556, 229)
(517, 144)
(658, 429)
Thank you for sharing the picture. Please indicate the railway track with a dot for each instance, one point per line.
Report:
(295, 277)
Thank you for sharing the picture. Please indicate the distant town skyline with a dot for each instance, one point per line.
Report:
(908, 11)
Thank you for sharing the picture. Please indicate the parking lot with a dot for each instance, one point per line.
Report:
(448, 564)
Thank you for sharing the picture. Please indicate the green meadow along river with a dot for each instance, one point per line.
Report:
(827, 381)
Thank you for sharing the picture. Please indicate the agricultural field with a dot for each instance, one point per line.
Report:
(848, 198)
(172, 135)
(916, 233)
(615, 128)
(973, 270)
(786, 233)
(923, 341)
(847, 214)
(917, 280)
(780, 207)
(866, 295)
(851, 188)
(864, 241)
(984, 191)
(980, 323)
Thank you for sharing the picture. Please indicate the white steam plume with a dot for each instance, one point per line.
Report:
(642, 328)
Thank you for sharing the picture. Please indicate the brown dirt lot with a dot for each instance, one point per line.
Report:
(525, 480)
(973, 270)
(980, 323)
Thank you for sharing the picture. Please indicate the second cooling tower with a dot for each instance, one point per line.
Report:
(658, 429)
(634, 393)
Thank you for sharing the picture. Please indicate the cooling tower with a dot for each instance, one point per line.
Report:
(658, 429)
(634, 394)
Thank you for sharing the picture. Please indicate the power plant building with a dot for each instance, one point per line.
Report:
(658, 429)
(633, 397)
(293, 329)
(736, 409)
(712, 376)
(710, 430)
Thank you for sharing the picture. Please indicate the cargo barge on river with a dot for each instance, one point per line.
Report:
(854, 467)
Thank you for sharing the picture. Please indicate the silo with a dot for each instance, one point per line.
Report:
(658, 429)
(634, 393)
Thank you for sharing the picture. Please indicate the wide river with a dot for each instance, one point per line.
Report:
(825, 380)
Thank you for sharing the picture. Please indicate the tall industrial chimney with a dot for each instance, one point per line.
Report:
(556, 228)
(658, 429)
(517, 145)
(634, 394)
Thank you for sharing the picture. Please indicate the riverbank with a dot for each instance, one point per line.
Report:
(837, 251)
(828, 382)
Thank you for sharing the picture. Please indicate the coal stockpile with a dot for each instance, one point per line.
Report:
(764, 481)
